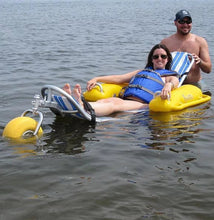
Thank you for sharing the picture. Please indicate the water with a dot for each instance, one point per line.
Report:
(144, 166)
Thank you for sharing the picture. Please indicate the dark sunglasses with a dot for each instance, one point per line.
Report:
(163, 56)
(184, 22)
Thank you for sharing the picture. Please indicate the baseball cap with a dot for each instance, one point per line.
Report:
(180, 15)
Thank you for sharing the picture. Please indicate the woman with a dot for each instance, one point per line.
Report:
(142, 83)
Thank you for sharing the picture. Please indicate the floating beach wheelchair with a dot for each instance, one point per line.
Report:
(61, 103)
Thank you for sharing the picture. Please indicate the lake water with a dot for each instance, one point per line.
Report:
(144, 166)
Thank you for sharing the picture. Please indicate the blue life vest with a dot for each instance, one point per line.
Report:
(146, 83)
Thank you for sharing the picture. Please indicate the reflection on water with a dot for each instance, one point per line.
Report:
(163, 129)
(174, 128)
(25, 151)
(68, 135)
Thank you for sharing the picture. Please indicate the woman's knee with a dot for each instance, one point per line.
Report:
(109, 100)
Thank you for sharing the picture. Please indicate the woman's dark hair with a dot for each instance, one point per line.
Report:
(159, 46)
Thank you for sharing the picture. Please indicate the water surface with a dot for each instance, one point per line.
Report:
(144, 166)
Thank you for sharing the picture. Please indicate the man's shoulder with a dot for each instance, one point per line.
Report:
(175, 39)
(169, 41)
(198, 38)
(168, 38)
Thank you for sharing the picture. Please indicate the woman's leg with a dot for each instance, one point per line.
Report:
(111, 105)
(107, 106)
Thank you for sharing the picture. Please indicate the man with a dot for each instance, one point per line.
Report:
(185, 41)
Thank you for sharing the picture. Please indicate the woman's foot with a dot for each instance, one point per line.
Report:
(76, 93)
(67, 88)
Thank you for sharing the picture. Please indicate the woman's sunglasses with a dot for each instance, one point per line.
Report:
(184, 22)
(163, 56)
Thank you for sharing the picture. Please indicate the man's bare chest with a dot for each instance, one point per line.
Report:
(187, 46)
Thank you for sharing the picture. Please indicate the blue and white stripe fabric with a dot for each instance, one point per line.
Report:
(182, 63)
(64, 103)
(69, 108)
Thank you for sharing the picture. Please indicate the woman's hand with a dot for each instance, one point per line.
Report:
(91, 83)
(171, 82)
(166, 91)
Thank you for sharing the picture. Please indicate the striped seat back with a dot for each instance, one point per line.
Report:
(182, 63)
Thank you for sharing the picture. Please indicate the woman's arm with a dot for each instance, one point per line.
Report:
(171, 82)
(117, 79)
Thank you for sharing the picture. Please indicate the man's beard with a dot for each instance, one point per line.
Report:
(185, 33)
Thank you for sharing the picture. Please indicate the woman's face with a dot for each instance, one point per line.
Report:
(159, 59)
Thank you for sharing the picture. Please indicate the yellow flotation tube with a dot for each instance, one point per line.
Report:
(181, 98)
(19, 127)
(103, 91)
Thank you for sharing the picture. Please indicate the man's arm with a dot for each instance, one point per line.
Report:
(203, 60)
